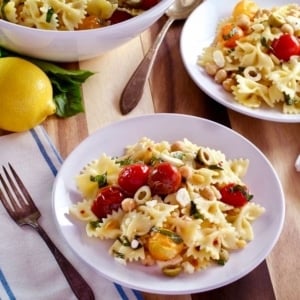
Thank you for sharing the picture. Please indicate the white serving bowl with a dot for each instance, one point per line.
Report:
(70, 46)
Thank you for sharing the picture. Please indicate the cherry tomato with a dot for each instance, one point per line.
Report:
(229, 34)
(285, 46)
(108, 199)
(132, 177)
(164, 179)
(163, 247)
(89, 22)
(119, 16)
(235, 194)
(147, 4)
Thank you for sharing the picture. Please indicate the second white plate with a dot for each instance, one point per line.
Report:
(198, 32)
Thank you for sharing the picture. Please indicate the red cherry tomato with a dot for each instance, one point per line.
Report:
(108, 199)
(285, 46)
(132, 177)
(119, 16)
(164, 179)
(235, 194)
(147, 4)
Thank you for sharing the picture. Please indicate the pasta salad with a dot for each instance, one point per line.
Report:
(256, 56)
(71, 14)
(179, 206)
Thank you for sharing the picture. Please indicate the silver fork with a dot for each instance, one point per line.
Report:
(20, 206)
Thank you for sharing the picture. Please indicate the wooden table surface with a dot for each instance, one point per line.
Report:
(171, 90)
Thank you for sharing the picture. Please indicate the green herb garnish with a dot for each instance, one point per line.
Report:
(171, 234)
(118, 254)
(49, 15)
(221, 261)
(194, 212)
(242, 189)
(178, 154)
(215, 167)
(288, 99)
(94, 224)
(100, 179)
(125, 162)
(264, 42)
(124, 241)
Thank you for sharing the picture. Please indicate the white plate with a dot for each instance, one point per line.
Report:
(261, 179)
(198, 32)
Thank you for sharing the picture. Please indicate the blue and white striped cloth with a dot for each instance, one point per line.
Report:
(28, 270)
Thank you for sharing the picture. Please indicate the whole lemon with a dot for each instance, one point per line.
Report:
(26, 95)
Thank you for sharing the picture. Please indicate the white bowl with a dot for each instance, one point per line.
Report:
(69, 46)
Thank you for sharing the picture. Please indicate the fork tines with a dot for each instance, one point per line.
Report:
(14, 189)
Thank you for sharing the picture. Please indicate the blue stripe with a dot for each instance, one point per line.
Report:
(57, 154)
(43, 151)
(54, 170)
(138, 295)
(121, 291)
(6, 287)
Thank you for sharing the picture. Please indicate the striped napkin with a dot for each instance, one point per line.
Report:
(28, 271)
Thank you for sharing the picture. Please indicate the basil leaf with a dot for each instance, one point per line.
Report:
(100, 179)
(177, 239)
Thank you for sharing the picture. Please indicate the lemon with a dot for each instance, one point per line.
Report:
(26, 95)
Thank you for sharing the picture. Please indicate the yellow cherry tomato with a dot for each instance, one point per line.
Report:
(162, 246)
(246, 7)
(229, 34)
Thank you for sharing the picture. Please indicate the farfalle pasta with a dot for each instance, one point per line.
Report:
(185, 230)
(245, 60)
(68, 14)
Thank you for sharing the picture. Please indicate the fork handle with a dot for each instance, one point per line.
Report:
(77, 283)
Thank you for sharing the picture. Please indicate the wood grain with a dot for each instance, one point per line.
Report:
(170, 73)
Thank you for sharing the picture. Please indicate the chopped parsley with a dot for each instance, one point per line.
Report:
(242, 189)
(49, 14)
(194, 212)
(118, 254)
(178, 154)
(172, 235)
(215, 167)
(100, 179)
(221, 261)
(94, 224)
(264, 42)
(125, 162)
(288, 99)
(124, 241)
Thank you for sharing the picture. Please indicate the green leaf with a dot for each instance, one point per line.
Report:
(194, 212)
(67, 97)
(66, 84)
(176, 238)
(56, 71)
(101, 179)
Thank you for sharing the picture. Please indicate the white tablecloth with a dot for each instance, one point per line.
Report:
(28, 271)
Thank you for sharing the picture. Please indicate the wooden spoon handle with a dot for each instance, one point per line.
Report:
(133, 91)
